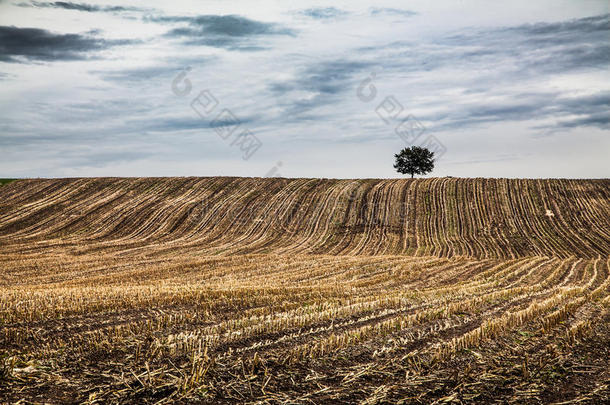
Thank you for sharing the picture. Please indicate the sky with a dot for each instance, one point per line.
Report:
(304, 88)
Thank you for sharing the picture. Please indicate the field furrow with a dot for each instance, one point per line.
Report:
(301, 291)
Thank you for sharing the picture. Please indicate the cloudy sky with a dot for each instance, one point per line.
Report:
(303, 88)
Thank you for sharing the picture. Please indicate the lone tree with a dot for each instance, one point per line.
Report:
(414, 160)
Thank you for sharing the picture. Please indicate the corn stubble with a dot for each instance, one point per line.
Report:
(240, 290)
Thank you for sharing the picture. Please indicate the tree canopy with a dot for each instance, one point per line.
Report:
(414, 160)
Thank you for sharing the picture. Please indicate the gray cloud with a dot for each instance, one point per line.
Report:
(585, 104)
(591, 111)
(327, 77)
(66, 5)
(229, 25)
(502, 57)
(545, 47)
(376, 11)
(192, 122)
(527, 50)
(474, 114)
(17, 44)
(589, 29)
(169, 124)
(138, 75)
(324, 13)
(226, 31)
(599, 24)
(324, 81)
(599, 120)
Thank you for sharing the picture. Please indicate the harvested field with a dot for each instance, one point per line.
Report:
(304, 291)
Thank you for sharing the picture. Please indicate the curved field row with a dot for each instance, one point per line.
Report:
(301, 291)
(445, 217)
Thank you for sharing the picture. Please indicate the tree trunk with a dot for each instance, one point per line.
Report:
(411, 175)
